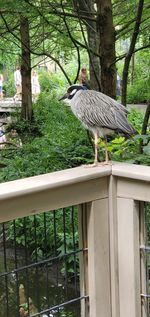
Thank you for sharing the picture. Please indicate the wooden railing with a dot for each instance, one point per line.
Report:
(111, 200)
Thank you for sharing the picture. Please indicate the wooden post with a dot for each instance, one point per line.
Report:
(143, 258)
(99, 259)
(83, 257)
(113, 227)
(129, 258)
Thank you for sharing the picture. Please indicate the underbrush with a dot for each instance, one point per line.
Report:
(56, 140)
(139, 91)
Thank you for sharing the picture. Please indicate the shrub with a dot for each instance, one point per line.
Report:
(139, 92)
(51, 82)
(55, 141)
(9, 87)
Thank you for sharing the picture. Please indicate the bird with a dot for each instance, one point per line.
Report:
(99, 114)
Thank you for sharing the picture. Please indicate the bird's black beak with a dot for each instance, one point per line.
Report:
(64, 97)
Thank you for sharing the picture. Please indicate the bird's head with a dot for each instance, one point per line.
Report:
(72, 90)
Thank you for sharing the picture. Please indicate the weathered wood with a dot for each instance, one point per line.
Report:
(83, 256)
(130, 188)
(143, 261)
(99, 259)
(128, 258)
(113, 227)
(51, 191)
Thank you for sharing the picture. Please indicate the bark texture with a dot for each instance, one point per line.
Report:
(92, 41)
(107, 47)
(26, 112)
(145, 124)
(131, 51)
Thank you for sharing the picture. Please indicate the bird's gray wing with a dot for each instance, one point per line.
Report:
(97, 109)
(92, 110)
(111, 102)
(117, 114)
(122, 122)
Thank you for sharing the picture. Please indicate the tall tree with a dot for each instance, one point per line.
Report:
(87, 14)
(107, 47)
(101, 38)
(131, 50)
(26, 69)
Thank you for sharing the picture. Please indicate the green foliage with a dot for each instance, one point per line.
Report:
(139, 92)
(136, 118)
(55, 140)
(42, 227)
(9, 87)
(51, 82)
(128, 150)
(68, 248)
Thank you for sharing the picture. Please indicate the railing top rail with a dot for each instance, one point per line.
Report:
(52, 180)
(71, 176)
(28, 196)
(139, 172)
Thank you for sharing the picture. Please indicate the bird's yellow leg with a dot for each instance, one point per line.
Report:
(106, 153)
(96, 163)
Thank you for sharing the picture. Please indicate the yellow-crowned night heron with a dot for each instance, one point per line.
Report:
(98, 113)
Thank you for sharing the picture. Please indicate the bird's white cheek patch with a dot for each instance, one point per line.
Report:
(67, 102)
(73, 92)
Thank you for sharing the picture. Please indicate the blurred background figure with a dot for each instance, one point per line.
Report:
(83, 78)
(118, 86)
(1, 86)
(2, 138)
(18, 83)
(35, 85)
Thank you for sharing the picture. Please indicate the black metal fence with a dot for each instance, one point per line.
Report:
(39, 265)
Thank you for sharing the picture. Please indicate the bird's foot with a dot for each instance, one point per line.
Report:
(98, 164)
(106, 163)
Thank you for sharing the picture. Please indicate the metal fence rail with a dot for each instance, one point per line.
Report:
(39, 259)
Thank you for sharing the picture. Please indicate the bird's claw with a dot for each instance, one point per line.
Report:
(98, 164)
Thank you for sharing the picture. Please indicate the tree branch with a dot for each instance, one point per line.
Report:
(131, 50)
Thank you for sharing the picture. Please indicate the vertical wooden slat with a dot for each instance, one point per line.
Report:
(99, 259)
(113, 226)
(83, 257)
(129, 258)
(143, 242)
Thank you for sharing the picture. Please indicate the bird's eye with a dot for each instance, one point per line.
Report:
(73, 92)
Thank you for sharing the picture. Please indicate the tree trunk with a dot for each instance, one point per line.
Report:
(94, 64)
(146, 118)
(132, 69)
(145, 124)
(92, 41)
(107, 47)
(26, 112)
(130, 52)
